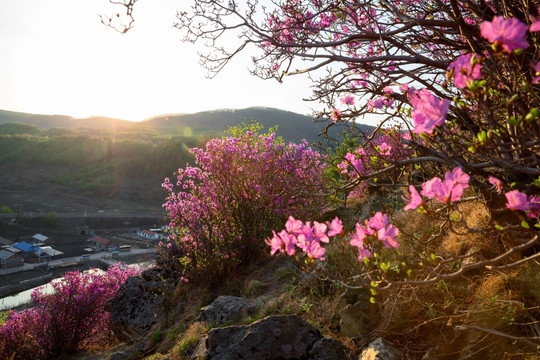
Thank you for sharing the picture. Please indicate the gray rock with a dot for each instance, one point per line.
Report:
(357, 315)
(272, 338)
(137, 304)
(379, 350)
(226, 309)
(328, 349)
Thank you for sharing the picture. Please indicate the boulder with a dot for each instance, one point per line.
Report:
(272, 338)
(226, 309)
(379, 349)
(357, 315)
(133, 311)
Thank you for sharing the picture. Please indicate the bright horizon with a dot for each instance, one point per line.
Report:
(58, 59)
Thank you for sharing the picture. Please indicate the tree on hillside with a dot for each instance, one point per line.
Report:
(457, 80)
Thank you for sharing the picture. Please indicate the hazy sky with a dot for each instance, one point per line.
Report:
(57, 58)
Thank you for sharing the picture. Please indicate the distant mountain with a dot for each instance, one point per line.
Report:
(61, 121)
(291, 126)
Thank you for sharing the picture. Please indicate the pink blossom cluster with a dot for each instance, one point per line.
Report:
(373, 156)
(446, 191)
(516, 200)
(464, 70)
(428, 112)
(241, 189)
(72, 316)
(307, 237)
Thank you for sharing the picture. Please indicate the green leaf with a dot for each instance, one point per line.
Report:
(372, 300)
(373, 292)
(433, 257)
(525, 224)
(498, 227)
(482, 136)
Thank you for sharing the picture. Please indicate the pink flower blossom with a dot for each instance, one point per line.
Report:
(427, 187)
(415, 200)
(169, 245)
(517, 201)
(319, 232)
(497, 184)
(535, 26)
(389, 236)
(464, 71)
(347, 100)
(358, 237)
(335, 227)
(510, 33)
(293, 226)
(336, 115)
(284, 242)
(378, 221)
(428, 112)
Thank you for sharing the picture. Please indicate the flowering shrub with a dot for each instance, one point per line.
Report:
(70, 318)
(243, 187)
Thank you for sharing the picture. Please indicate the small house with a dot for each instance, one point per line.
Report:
(102, 244)
(5, 242)
(9, 259)
(149, 234)
(42, 240)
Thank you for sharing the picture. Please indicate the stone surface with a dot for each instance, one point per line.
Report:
(272, 338)
(139, 300)
(379, 350)
(357, 315)
(226, 309)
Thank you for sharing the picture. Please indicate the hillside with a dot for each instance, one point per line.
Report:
(292, 127)
(61, 121)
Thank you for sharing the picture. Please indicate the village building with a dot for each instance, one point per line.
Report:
(42, 240)
(102, 244)
(149, 234)
(9, 259)
(30, 253)
(5, 242)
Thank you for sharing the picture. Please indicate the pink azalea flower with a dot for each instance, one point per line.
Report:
(378, 221)
(535, 26)
(347, 100)
(389, 236)
(358, 237)
(335, 227)
(464, 72)
(319, 232)
(457, 176)
(282, 242)
(169, 245)
(517, 201)
(497, 184)
(336, 115)
(385, 149)
(314, 250)
(535, 206)
(415, 200)
(427, 187)
(364, 253)
(428, 112)
(388, 90)
(446, 191)
(510, 33)
(293, 226)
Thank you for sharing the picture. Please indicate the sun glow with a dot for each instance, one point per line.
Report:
(57, 58)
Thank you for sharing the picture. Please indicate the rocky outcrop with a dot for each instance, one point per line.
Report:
(226, 309)
(379, 349)
(135, 308)
(272, 338)
(357, 315)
